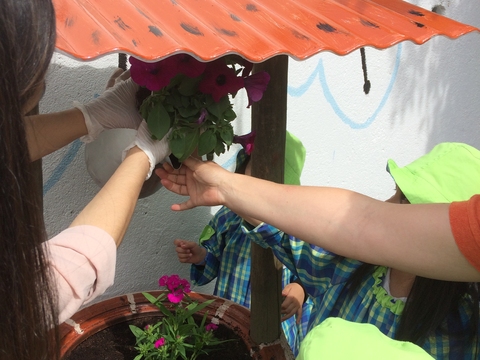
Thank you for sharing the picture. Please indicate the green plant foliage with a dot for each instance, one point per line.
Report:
(177, 335)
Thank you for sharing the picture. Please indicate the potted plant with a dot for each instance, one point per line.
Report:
(104, 330)
(186, 100)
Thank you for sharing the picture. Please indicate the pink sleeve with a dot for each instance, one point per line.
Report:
(83, 260)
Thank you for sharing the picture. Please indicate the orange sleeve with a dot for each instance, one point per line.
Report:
(465, 224)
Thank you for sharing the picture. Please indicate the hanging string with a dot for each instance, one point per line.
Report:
(366, 85)
(122, 61)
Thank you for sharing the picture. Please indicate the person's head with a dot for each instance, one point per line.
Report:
(448, 173)
(27, 300)
(26, 47)
(295, 154)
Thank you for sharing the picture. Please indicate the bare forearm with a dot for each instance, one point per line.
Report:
(112, 208)
(49, 132)
(412, 238)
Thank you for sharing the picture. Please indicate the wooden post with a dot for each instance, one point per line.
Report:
(269, 121)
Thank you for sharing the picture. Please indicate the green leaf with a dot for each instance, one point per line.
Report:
(188, 87)
(229, 115)
(150, 297)
(187, 112)
(159, 121)
(144, 108)
(219, 108)
(219, 148)
(226, 133)
(193, 308)
(206, 142)
(184, 143)
(136, 331)
(138, 357)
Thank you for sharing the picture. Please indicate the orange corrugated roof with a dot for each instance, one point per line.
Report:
(254, 29)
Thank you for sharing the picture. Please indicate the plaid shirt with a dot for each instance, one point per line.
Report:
(324, 275)
(228, 261)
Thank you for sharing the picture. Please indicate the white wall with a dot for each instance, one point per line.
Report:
(420, 96)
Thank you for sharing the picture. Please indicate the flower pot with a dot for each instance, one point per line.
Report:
(132, 307)
(104, 155)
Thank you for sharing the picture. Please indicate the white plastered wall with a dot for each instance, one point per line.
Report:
(420, 96)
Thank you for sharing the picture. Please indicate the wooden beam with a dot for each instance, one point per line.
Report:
(269, 121)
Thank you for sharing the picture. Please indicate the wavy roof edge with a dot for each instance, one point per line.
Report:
(256, 30)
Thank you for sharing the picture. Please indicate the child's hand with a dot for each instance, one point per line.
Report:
(292, 304)
(189, 251)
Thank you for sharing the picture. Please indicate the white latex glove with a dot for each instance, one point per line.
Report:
(156, 150)
(115, 108)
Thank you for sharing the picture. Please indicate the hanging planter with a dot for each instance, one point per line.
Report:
(104, 155)
(102, 328)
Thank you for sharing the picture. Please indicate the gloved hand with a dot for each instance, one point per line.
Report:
(156, 150)
(115, 108)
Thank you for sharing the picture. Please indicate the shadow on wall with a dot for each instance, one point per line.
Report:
(450, 70)
(147, 250)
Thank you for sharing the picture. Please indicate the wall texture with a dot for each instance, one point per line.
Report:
(420, 96)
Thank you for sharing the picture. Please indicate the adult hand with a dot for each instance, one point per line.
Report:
(156, 150)
(115, 108)
(201, 180)
(292, 304)
(189, 252)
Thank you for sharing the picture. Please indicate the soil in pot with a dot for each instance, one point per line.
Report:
(117, 342)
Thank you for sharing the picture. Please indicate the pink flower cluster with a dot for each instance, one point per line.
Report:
(178, 287)
(218, 79)
(211, 327)
(159, 343)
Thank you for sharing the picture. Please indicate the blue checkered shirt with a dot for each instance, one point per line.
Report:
(324, 275)
(228, 261)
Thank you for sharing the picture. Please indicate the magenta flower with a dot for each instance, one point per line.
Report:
(160, 342)
(154, 76)
(211, 327)
(175, 297)
(163, 280)
(256, 85)
(178, 287)
(220, 80)
(247, 141)
(188, 65)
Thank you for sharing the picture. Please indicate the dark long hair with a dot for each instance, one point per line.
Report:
(433, 306)
(28, 308)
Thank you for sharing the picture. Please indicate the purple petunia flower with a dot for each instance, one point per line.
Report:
(201, 119)
(220, 80)
(154, 76)
(256, 85)
(211, 327)
(247, 141)
(159, 343)
(188, 65)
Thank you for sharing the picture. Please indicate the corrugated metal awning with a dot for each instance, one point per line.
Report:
(254, 29)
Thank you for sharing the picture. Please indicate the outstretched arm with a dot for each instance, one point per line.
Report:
(115, 108)
(414, 238)
(112, 208)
